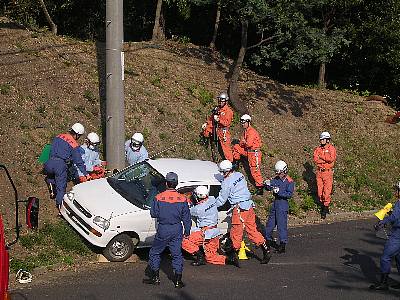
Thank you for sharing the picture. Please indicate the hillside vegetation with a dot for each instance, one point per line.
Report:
(47, 83)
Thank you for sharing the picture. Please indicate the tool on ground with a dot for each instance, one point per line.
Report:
(383, 212)
(242, 251)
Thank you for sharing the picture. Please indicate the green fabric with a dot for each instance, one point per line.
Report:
(45, 155)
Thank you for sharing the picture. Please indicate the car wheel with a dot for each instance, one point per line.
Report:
(120, 248)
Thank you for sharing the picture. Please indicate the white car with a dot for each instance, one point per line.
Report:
(113, 213)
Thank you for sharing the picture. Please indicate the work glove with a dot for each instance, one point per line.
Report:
(275, 190)
(267, 182)
(216, 118)
(204, 126)
(378, 226)
(88, 177)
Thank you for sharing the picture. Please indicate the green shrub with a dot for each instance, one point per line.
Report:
(5, 89)
(294, 208)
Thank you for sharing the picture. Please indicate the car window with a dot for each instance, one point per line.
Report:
(138, 184)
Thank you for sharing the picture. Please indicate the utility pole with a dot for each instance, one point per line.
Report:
(115, 106)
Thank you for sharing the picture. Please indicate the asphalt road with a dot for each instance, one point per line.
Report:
(330, 261)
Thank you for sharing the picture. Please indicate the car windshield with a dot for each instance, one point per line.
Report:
(138, 184)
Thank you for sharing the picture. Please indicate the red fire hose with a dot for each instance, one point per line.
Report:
(4, 264)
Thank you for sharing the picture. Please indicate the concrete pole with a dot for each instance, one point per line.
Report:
(115, 105)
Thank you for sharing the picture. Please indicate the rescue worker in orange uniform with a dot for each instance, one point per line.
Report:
(206, 233)
(249, 146)
(234, 189)
(324, 158)
(222, 116)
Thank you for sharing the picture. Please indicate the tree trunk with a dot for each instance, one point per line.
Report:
(233, 89)
(321, 76)
(216, 25)
(158, 33)
(53, 26)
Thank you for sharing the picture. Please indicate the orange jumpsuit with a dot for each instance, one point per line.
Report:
(244, 220)
(224, 136)
(324, 158)
(249, 146)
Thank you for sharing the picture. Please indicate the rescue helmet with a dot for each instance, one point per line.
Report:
(201, 192)
(325, 135)
(78, 128)
(93, 138)
(137, 141)
(225, 166)
(172, 179)
(281, 167)
(223, 97)
(245, 118)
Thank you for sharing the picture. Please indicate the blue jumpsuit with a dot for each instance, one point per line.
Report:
(64, 149)
(392, 246)
(170, 209)
(133, 157)
(280, 207)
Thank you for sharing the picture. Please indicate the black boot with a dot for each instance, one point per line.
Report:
(266, 253)
(323, 212)
(178, 281)
(281, 248)
(382, 285)
(232, 259)
(395, 286)
(200, 259)
(272, 244)
(154, 277)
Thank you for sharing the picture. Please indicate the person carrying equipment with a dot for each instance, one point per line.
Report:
(90, 155)
(135, 151)
(282, 187)
(249, 146)
(220, 122)
(64, 151)
(234, 189)
(171, 209)
(324, 158)
(392, 246)
(206, 233)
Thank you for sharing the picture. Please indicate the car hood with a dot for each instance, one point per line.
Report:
(100, 199)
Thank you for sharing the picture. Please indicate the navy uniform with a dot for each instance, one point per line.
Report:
(171, 209)
(392, 247)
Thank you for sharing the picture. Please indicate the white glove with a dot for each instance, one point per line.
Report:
(204, 126)
(267, 182)
(216, 118)
(275, 190)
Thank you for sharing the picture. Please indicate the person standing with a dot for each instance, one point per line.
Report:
(63, 152)
(392, 246)
(282, 187)
(171, 209)
(206, 233)
(234, 189)
(135, 151)
(91, 157)
(324, 158)
(221, 117)
(250, 146)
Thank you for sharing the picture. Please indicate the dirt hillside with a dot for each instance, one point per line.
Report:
(47, 83)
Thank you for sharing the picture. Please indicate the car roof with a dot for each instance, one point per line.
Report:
(205, 172)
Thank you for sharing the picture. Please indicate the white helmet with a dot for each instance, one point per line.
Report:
(93, 137)
(225, 166)
(137, 137)
(223, 97)
(78, 128)
(281, 167)
(245, 118)
(324, 135)
(201, 192)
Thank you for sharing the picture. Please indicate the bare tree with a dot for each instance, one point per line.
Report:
(216, 24)
(158, 31)
(53, 26)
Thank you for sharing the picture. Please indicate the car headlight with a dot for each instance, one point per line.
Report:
(101, 222)
(71, 195)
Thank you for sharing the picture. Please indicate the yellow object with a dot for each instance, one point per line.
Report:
(242, 251)
(382, 213)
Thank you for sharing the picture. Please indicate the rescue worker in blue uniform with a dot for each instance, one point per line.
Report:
(392, 246)
(64, 150)
(234, 189)
(135, 152)
(282, 187)
(171, 209)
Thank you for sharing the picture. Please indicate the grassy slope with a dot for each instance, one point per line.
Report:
(47, 83)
